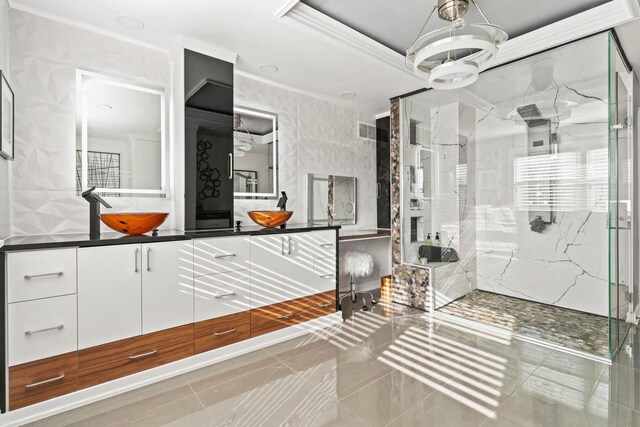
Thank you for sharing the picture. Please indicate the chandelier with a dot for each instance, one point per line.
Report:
(242, 141)
(452, 57)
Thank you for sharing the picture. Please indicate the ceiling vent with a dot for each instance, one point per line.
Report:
(366, 131)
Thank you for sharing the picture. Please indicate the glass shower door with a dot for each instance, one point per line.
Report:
(620, 192)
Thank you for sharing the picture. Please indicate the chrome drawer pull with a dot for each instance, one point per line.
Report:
(37, 331)
(286, 316)
(138, 356)
(326, 276)
(325, 305)
(229, 294)
(225, 332)
(327, 245)
(225, 256)
(44, 382)
(148, 259)
(34, 276)
(135, 255)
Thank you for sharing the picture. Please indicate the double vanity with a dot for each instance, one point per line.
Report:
(82, 312)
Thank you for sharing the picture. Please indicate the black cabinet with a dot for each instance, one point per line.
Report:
(208, 84)
(383, 171)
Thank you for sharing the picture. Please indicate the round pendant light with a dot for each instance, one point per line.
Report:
(456, 53)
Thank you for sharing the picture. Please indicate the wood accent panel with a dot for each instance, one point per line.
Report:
(321, 304)
(117, 359)
(278, 316)
(230, 329)
(20, 376)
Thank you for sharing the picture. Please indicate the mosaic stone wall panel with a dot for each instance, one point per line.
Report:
(410, 285)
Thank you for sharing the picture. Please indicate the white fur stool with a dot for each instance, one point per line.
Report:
(357, 264)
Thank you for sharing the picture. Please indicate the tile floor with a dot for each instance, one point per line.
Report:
(390, 366)
(569, 328)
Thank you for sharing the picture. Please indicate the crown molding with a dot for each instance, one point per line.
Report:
(207, 49)
(324, 28)
(592, 21)
(310, 21)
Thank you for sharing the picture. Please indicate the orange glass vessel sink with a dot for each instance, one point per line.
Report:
(270, 219)
(134, 223)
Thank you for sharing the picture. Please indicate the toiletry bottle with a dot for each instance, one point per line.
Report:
(437, 242)
(428, 242)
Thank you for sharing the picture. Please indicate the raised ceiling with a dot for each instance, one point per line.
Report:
(396, 24)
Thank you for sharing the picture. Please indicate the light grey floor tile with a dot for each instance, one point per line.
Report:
(297, 346)
(340, 380)
(219, 373)
(185, 412)
(330, 413)
(445, 410)
(384, 400)
(120, 408)
(262, 398)
(621, 385)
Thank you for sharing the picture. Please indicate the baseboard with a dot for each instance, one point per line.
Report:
(79, 398)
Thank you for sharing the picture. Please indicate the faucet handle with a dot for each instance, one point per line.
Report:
(90, 196)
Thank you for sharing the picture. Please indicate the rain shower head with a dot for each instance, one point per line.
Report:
(532, 116)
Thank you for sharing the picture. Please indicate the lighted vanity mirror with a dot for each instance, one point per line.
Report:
(331, 199)
(121, 136)
(255, 154)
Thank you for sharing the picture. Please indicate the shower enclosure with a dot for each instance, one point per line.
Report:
(526, 177)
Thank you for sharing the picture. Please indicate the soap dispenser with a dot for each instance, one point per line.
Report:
(437, 242)
(428, 241)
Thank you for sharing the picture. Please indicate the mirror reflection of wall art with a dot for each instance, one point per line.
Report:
(7, 120)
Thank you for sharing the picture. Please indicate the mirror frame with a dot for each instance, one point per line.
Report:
(81, 102)
(276, 142)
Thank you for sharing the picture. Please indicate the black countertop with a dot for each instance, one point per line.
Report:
(20, 243)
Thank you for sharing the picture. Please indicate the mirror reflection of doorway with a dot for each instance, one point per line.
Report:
(245, 181)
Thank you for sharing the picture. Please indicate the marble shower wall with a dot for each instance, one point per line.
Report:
(316, 136)
(44, 56)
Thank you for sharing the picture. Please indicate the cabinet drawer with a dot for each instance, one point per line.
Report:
(324, 275)
(321, 304)
(225, 330)
(41, 274)
(221, 255)
(42, 328)
(107, 362)
(44, 379)
(222, 294)
(324, 243)
(277, 316)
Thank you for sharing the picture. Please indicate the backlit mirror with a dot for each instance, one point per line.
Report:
(331, 199)
(255, 153)
(120, 134)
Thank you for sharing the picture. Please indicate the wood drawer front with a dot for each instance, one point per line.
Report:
(222, 294)
(42, 328)
(324, 275)
(278, 316)
(43, 379)
(324, 243)
(107, 362)
(221, 255)
(321, 304)
(41, 274)
(225, 330)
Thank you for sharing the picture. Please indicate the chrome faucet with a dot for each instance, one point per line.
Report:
(94, 211)
(282, 203)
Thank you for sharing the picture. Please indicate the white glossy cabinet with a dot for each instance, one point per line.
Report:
(324, 275)
(222, 294)
(167, 285)
(298, 265)
(324, 243)
(109, 294)
(267, 270)
(221, 255)
(127, 290)
(41, 328)
(41, 274)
